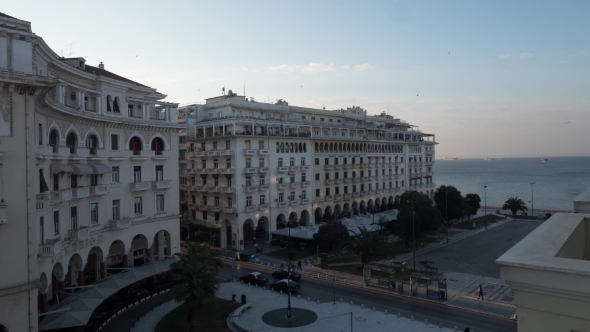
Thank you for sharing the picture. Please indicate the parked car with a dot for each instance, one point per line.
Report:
(286, 285)
(254, 278)
(284, 274)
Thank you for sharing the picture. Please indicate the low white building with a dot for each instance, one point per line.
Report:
(251, 167)
(549, 271)
(87, 175)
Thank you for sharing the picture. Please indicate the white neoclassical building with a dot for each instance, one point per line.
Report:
(88, 164)
(249, 167)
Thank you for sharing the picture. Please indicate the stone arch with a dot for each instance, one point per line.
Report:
(138, 135)
(281, 221)
(317, 145)
(370, 204)
(75, 268)
(117, 255)
(304, 219)
(328, 214)
(117, 105)
(390, 203)
(363, 207)
(337, 212)
(94, 267)
(248, 230)
(161, 245)
(355, 208)
(74, 130)
(109, 103)
(72, 141)
(263, 228)
(99, 139)
(318, 214)
(139, 249)
(346, 210)
(293, 221)
(383, 204)
(377, 202)
(54, 127)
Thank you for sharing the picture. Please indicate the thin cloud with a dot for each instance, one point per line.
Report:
(504, 56)
(318, 68)
(363, 67)
(287, 68)
(527, 55)
(346, 67)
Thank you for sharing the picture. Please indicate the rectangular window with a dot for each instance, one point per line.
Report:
(260, 162)
(215, 163)
(327, 176)
(327, 191)
(214, 145)
(303, 194)
(216, 215)
(354, 188)
(337, 190)
(317, 161)
(204, 200)
(326, 161)
(303, 177)
(227, 145)
(40, 133)
(335, 161)
(136, 173)
(248, 145)
(203, 163)
(317, 176)
(336, 175)
(93, 179)
(137, 208)
(344, 161)
(93, 213)
(160, 207)
(216, 201)
(116, 209)
(292, 178)
(205, 215)
(203, 146)
(55, 181)
(346, 175)
(248, 162)
(56, 222)
(354, 174)
(261, 145)
(248, 181)
(261, 180)
(114, 142)
(291, 161)
(159, 172)
(230, 202)
(353, 160)
(370, 186)
(216, 181)
(228, 163)
(317, 193)
(362, 187)
(281, 197)
(346, 189)
(280, 162)
(302, 161)
(228, 180)
(248, 200)
(115, 174)
(292, 196)
(74, 181)
(262, 199)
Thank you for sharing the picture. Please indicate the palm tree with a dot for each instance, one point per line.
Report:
(194, 279)
(368, 244)
(514, 204)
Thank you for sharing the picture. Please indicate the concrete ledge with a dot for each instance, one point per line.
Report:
(236, 317)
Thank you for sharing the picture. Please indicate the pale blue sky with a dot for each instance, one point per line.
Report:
(517, 70)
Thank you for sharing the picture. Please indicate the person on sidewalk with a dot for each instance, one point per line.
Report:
(299, 265)
(480, 292)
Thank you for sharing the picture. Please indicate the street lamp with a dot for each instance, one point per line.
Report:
(447, 211)
(532, 200)
(289, 273)
(485, 204)
(413, 235)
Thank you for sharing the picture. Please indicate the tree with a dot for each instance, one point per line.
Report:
(449, 200)
(426, 218)
(472, 204)
(514, 204)
(368, 245)
(331, 236)
(194, 279)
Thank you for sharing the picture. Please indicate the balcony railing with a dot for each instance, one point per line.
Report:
(250, 169)
(140, 186)
(364, 193)
(120, 223)
(263, 207)
(162, 184)
(337, 180)
(294, 184)
(229, 210)
(81, 192)
(263, 152)
(305, 167)
(305, 184)
(227, 190)
(282, 204)
(283, 185)
(263, 187)
(98, 190)
(224, 152)
(225, 170)
(328, 181)
(371, 192)
(79, 234)
(346, 180)
(355, 194)
(328, 167)
(337, 166)
(282, 169)
(50, 248)
(201, 189)
(338, 196)
(249, 152)
(251, 208)
(294, 202)
(346, 195)
(347, 166)
(250, 189)
(329, 197)
(216, 208)
(294, 168)
(263, 169)
(305, 201)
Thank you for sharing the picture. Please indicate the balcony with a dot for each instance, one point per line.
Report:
(229, 210)
(211, 153)
(263, 169)
(201, 207)
(338, 181)
(263, 187)
(282, 169)
(120, 224)
(81, 192)
(305, 201)
(319, 199)
(305, 167)
(294, 168)
(346, 180)
(249, 152)
(329, 181)
(199, 153)
(347, 166)
(328, 167)
(225, 170)
(263, 152)
(201, 189)
(250, 169)
(212, 170)
(294, 202)
(201, 171)
(283, 185)
(224, 152)
(216, 208)
(61, 195)
(305, 184)
(251, 208)
(282, 204)
(370, 178)
(346, 195)
(263, 207)
(371, 192)
(79, 234)
(364, 193)
(213, 189)
(362, 165)
(357, 179)
(250, 189)
(294, 184)
(329, 197)
(50, 248)
(98, 190)
(338, 196)
(140, 186)
(162, 184)
(356, 194)
(227, 190)
(337, 166)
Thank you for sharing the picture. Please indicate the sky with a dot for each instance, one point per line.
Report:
(488, 78)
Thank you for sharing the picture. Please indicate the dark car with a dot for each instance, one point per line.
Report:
(284, 285)
(254, 278)
(284, 274)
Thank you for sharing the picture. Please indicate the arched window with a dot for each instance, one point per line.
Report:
(92, 143)
(109, 103)
(157, 146)
(72, 142)
(116, 106)
(54, 140)
(135, 145)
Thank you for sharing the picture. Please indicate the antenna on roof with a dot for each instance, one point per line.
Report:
(223, 90)
(70, 55)
(244, 88)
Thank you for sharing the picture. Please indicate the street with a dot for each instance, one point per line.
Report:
(323, 290)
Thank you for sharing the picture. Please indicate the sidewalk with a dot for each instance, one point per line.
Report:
(126, 320)
(149, 322)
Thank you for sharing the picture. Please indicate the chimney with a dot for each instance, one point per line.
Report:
(101, 65)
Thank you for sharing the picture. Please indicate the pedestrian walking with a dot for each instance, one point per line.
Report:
(233, 265)
(480, 292)
(299, 266)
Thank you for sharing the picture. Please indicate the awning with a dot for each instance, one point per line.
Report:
(61, 168)
(100, 168)
(77, 309)
(82, 169)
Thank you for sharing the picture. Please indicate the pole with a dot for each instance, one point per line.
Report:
(447, 211)
(350, 321)
(485, 195)
(413, 238)
(334, 288)
(532, 201)
(289, 274)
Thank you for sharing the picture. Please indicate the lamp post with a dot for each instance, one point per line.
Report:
(532, 200)
(289, 273)
(485, 205)
(447, 211)
(413, 239)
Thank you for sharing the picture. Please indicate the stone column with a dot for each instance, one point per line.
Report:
(80, 97)
(98, 104)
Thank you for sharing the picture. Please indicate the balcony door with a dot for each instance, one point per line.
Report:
(74, 218)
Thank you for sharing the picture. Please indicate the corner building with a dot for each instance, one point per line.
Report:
(247, 168)
(86, 157)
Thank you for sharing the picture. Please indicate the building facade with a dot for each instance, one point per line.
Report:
(85, 177)
(250, 167)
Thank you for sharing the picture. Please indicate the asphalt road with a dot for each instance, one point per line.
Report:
(477, 254)
(323, 290)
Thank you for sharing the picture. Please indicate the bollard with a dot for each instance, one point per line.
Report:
(281, 291)
(412, 318)
(318, 275)
(456, 329)
(340, 300)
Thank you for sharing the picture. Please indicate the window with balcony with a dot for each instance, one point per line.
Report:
(248, 181)
(72, 142)
(280, 162)
(291, 161)
(302, 161)
(260, 162)
(292, 178)
(262, 199)
(135, 145)
(280, 180)
(160, 207)
(248, 200)
(362, 174)
(248, 162)
(116, 103)
(203, 163)
(73, 181)
(292, 196)
(248, 144)
(337, 190)
(228, 180)
(136, 173)
(336, 175)
(227, 145)
(216, 200)
(327, 176)
(317, 161)
(137, 205)
(346, 189)
(203, 146)
(56, 222)
(261, 180)
(230, 202)
(327, 191)
(93, 179)
(204, 200)
(317, 193)
(54, 140)
(362, 187)
(354, 188)
(335, 161)
(159, 172)
(228, 163)
(158, 146)
(261, 145)
(204, 180)
(214, 145)
(93, 213)
(326, 161)
(92, 144)
(317, 176)
(370, 186)
(303, 177)
(216, 181)
(281, 197)
(215, 163)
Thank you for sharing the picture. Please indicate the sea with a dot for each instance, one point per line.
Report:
(556, 182)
